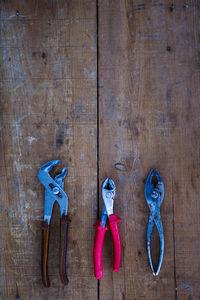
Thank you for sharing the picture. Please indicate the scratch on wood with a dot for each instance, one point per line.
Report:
(18, 134)
(31, 139)
(91, 75)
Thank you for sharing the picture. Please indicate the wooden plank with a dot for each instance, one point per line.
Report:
(149, 118)
(184, 93)
(48, 98)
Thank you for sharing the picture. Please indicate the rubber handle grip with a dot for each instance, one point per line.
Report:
(64, 221)
(113, 223)
(45, 248)
(97, 251)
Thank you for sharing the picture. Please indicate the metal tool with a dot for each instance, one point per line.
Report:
(54, 192)
(154, 194)
(108, 194)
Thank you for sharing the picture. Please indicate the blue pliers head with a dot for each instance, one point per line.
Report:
(154, 194)
(53, 189)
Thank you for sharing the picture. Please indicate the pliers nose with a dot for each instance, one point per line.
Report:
(46, 168)
(154, 194)
(53, 188)
(108, 185)
(108, 195)
(60, 177)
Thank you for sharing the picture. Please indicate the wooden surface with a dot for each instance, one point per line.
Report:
(49, 96)
(112, 89)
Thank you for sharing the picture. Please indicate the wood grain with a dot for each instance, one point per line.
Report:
(149, 118)
(48, 97)
(140, 111)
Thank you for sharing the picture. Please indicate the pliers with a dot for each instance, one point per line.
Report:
(154, 194)
(54, 192)
(108, 194)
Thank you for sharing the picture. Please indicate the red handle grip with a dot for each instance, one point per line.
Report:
(113, 220)
(97, 251)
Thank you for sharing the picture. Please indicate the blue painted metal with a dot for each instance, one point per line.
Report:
(154, 197)
(108, 194)
(53, 189)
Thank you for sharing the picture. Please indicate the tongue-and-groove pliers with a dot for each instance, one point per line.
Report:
(54, 192)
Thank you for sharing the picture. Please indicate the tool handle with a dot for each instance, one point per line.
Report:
(64, 221)
(45, 247)
(113, 223)
(97, 251)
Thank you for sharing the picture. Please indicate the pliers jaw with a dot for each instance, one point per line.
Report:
(154, 194)
(53, 189)
(46, 168)
(60, 177)
(108, 194)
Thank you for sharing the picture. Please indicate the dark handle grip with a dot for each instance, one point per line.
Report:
(64, 221)
(45, 247)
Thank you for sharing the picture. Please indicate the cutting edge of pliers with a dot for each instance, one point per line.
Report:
(108, 193)
(154, 196)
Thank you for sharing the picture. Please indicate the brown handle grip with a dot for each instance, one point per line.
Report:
(64, 221)
(45, 246)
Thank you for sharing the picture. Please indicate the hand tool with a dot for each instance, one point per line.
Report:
(154, 194)
(108, 194)
(54, 192)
